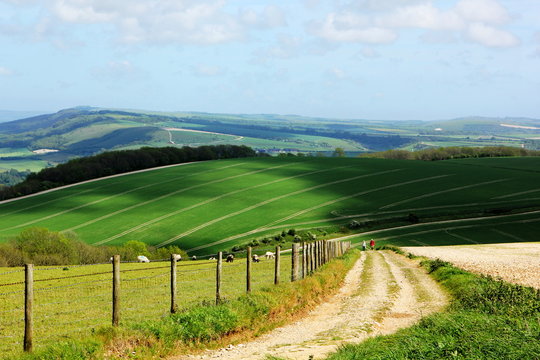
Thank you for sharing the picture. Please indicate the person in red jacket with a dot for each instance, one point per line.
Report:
(372, 244)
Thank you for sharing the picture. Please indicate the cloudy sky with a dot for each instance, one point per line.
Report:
(368, 59)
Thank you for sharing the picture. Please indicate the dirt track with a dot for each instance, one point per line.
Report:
(515, 262)
(381, 294)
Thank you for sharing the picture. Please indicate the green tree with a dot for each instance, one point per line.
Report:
(338, 152)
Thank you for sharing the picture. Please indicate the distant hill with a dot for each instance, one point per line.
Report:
(35, 142)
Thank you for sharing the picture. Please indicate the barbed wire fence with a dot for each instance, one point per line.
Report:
(51, 304)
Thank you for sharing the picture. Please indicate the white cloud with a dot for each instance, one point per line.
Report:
(380, 21)
(5, 71)
(348, 27)
(207, 70)
(162, 21)
(424, 16)
(270, 17)
(490, 36)
(381, 5)
(484, 11)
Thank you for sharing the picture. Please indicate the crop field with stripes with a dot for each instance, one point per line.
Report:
(209, 206)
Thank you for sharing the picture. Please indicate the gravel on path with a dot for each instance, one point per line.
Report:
(380, 301)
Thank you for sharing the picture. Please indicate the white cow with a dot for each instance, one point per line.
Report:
(142, 259)
(269, 255)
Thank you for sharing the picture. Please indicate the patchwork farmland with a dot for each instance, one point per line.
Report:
(209, 206)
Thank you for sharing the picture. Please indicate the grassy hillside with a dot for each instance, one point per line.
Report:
(203, 207)
(85, 131)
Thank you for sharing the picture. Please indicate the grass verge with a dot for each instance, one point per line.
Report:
(206, 325)
(487, 319)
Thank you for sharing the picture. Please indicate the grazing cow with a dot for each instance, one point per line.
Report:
(255, 258)
(142, 259)
(269, 255)
(193, 257)
(212, 258)
(230, 258)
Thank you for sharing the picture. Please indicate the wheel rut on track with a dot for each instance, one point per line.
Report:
(381, 294)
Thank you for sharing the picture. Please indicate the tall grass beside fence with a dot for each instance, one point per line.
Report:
(237, 320)
(77, 302)
(487, 319)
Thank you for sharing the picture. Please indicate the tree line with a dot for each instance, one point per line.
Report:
(117, 162)
(12, 177)
(454, 152)
(40, 246)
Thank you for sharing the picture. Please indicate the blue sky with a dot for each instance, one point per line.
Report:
(364, 59)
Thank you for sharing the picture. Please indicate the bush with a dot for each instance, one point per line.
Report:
(165, 253)
(43, 247)
(393, 248)
(40, 246)
(433, 265)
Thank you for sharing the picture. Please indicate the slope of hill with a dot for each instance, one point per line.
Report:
(203, 207)
(44, 140)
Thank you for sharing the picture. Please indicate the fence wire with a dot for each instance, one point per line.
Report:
(75, 301)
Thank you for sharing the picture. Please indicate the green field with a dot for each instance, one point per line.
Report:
(209, 206)
(73, 302)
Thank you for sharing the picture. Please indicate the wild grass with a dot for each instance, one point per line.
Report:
(207, 325)
(77, 304)
(488, 319)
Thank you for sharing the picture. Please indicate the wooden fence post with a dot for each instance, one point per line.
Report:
(318, 244)
(28, 305)
(174, 306)
(248, 270)
(218, 277)
(304, 260)
(116, 291)
(308, 258)
(320, 253)
(294, 265)
(312, 257)
(277, 265)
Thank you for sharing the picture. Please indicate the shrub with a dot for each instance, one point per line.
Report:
(393, 248)
(433, 265)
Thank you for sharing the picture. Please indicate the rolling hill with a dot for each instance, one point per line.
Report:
(48, 139)
(213, 205)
